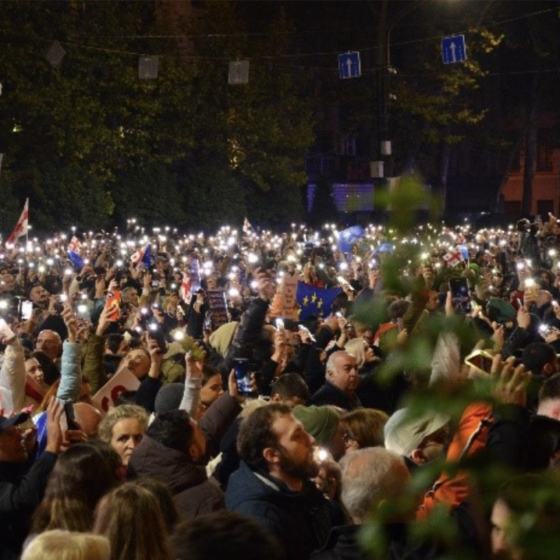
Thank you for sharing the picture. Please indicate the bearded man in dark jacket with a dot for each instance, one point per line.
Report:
(272, 483)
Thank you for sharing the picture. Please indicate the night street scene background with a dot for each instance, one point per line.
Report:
(210, 209)
(199, 113)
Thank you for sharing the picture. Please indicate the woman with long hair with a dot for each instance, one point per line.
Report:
(131, 518)
(81, 477)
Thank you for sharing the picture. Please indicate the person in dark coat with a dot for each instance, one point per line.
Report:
(272, 483)
(169, 452)
(341, 383)
(23, 479)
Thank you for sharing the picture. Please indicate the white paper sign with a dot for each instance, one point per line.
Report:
(122, 381)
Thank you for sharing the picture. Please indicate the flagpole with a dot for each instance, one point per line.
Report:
(27, 228)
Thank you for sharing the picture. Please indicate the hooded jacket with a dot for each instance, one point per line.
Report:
(300, 520)
(192, 492)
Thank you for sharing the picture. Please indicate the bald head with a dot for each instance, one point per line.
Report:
(50, 343)
(89, 418)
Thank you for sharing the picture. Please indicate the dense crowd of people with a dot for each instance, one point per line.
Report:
(168, 396)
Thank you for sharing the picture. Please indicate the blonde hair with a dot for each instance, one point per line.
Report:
(118, 413)
(357, 348)
(63, 545)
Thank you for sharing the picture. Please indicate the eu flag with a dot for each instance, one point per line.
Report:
(315, 301)
(349, 236)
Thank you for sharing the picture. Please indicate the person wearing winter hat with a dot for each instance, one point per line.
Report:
(419, 439)
(221, 338)
(323, 423)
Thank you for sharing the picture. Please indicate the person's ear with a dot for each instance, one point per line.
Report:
(271, 455)
(276, 398)
(417, 455)
(193, 452)
(549, 369)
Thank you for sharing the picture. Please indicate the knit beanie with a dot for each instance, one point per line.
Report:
(221, 338)
(169, 397)
(319, 421)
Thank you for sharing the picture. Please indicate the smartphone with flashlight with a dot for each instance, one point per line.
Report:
(156, 334)
(26, 310)
(460, 293)
(114, 298)
(242, 376)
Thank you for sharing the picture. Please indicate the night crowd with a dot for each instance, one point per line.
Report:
(168, 396)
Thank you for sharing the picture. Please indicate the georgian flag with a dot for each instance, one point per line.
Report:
(185, 289)
(142, 255)
(21, 226)
(453, 258)
(75, 245)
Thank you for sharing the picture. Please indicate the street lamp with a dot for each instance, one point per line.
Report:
(383, 145)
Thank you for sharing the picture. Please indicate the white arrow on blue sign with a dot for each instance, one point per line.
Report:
(453, 49)
(349, 65)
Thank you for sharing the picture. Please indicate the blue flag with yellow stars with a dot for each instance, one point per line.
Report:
(348, 237)
(315, 301)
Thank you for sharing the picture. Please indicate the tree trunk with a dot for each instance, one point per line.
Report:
(527, 137)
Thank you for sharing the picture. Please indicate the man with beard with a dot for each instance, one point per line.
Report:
(272, 483)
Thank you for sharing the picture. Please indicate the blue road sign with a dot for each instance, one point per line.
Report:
(453, 49)
(349, 65)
